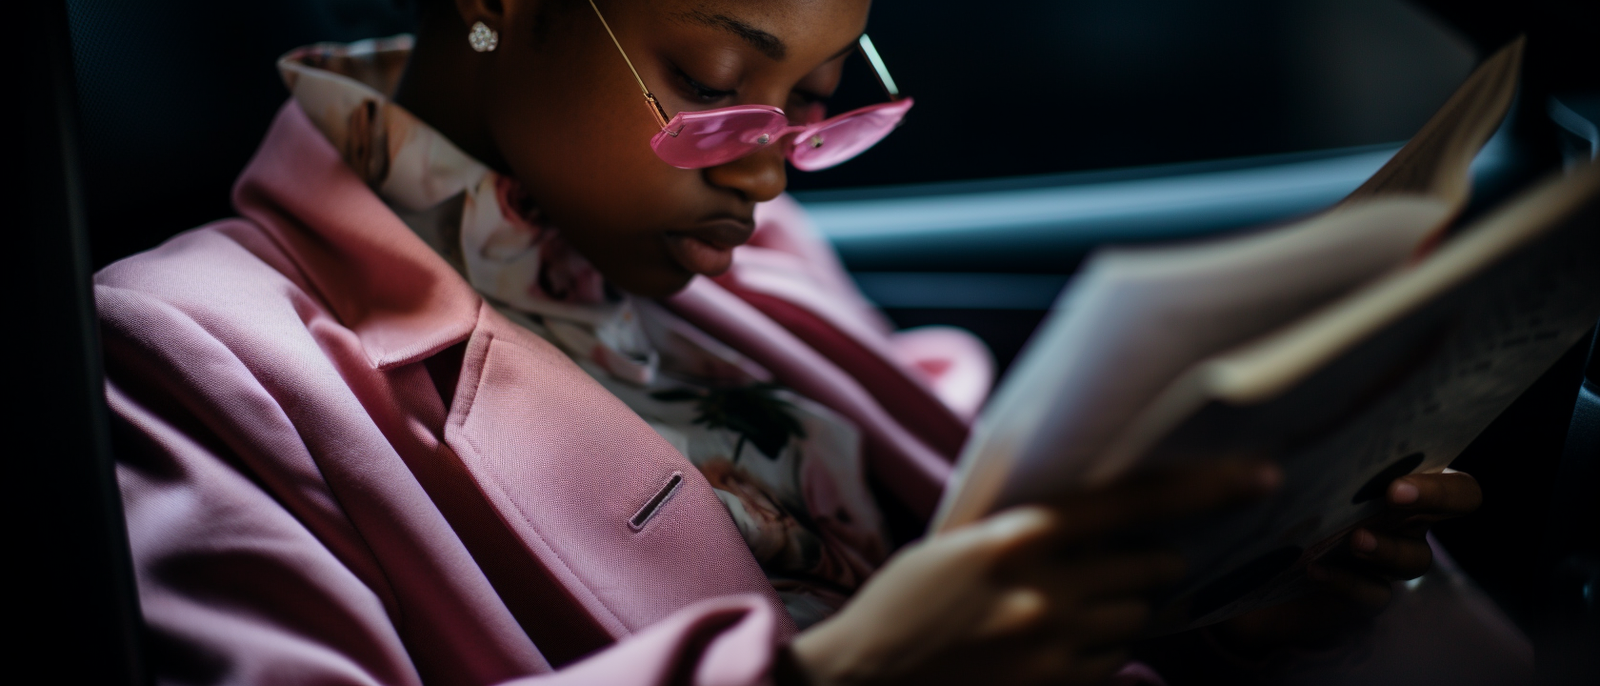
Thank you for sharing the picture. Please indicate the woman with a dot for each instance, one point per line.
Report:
(455, 400)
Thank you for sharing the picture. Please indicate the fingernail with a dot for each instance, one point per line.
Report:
(1403, 493)
(1363, 541)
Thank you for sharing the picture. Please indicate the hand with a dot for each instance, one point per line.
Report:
(1025, 596)
(1356, 584)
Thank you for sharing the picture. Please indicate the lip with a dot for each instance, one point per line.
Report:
(708, 248)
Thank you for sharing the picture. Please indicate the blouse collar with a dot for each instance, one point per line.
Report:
(480, 221)
(343, 90)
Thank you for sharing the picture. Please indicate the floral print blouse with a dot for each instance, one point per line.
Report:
(788, 469)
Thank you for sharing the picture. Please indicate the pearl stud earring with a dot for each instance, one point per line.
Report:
(482, 38)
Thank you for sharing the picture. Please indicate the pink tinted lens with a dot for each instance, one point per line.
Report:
(845, 136)
(713, 137)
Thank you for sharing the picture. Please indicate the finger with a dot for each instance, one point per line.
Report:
(1402, 523)
(1016, 611)
(1111, 623)
(1047, 662)
(1166, 494)
(1317, 619)
(1106, 575)
(1368, 594)
(1093, 668)
(1446, 495)
(1410, 527)
(1395, 557)
(1101, 598)
(1002, 535)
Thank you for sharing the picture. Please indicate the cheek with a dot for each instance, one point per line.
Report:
(579, 143)
(561, 131)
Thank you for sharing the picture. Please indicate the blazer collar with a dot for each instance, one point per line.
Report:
(402, 300)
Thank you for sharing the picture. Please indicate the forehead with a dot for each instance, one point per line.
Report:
(779, 29)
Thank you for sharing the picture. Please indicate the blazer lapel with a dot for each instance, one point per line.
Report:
(590, 512)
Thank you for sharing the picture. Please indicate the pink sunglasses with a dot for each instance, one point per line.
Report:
(707, 138)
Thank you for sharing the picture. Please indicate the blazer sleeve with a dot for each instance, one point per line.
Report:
(789, 267)
(719, 642)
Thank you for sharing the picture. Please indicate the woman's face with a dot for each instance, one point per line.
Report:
(567, 118)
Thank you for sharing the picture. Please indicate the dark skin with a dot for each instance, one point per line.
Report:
(556, 107)
(1357, 582)
(1026, 596)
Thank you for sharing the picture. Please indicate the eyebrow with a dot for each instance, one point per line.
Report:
(768, 44)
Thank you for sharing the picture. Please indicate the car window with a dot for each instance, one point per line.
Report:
(1043, 86)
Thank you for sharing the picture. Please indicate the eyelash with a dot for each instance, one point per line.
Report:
(707, 94)
(700, 91)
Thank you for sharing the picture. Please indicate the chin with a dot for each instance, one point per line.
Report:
(656, 283)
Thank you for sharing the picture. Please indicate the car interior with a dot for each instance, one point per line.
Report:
(1152, 121)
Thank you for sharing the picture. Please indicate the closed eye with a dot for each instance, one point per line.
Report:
(701, 92)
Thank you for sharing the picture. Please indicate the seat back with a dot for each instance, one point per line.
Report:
(1570, 623)
(175, 96)
(73, 611)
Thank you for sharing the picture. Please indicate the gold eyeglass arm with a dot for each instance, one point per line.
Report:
(656, 109)
(871, 54)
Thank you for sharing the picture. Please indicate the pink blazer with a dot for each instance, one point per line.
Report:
(351, 470)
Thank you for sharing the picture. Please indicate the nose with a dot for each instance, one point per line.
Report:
(757, 177)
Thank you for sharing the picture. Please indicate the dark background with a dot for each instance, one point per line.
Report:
(1043, 86)
(176, 94)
